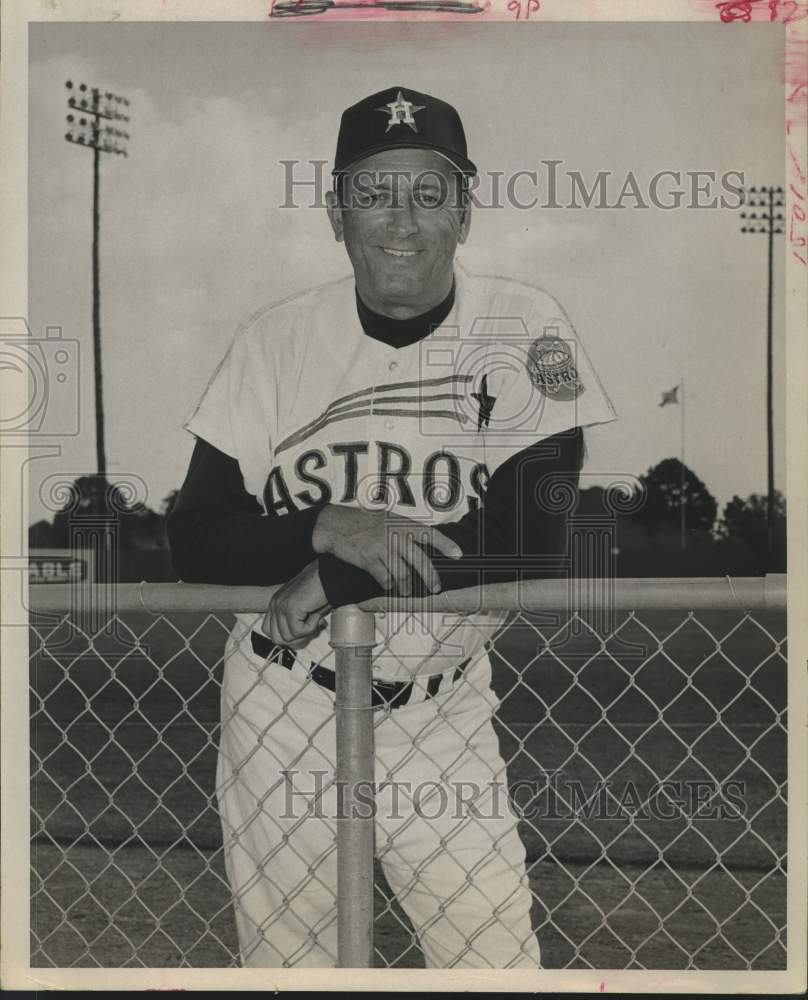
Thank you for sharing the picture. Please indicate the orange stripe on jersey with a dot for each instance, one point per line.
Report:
(357, 404)
(391, 386)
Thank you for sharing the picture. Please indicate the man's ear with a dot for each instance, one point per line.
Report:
(334, 210)
(465, 220)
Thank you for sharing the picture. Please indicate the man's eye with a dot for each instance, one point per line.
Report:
(376, 198)
(429, 199)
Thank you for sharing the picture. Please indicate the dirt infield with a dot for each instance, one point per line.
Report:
(126, 854)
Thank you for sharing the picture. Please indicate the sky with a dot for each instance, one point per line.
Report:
(193, 238)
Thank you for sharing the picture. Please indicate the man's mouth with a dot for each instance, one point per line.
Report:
(399, 253)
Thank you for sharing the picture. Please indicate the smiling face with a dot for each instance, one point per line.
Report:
(401, 220)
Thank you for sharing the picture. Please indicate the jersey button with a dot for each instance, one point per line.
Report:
(389, 425)
(393, 365)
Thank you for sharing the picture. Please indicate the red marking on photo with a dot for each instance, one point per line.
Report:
(790, 11)
(530, 7)
(746, 11)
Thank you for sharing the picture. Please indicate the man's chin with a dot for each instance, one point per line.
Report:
(403, 288)
(400, 291)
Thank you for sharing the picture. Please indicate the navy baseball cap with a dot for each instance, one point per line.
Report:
(400, 118)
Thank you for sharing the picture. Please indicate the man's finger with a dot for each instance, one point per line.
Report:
(396, 564)
(313, 624)
(293, 627)
(422, 565)
(444, 545)
(380, 574)
(269, 625)
(399, 565)
(300, 642)
(302, 627)
(284, 636)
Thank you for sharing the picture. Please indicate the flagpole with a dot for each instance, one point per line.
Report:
(682, 462)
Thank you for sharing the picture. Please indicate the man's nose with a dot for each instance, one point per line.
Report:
(402, 220)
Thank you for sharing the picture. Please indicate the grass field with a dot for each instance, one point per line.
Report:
(126, 851)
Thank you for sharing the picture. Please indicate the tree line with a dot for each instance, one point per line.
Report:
(654, 515)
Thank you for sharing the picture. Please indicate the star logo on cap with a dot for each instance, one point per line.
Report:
(401, 112)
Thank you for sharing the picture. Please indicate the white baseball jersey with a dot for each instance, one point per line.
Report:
(316, 411)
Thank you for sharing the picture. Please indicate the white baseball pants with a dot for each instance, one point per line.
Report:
(446, 835)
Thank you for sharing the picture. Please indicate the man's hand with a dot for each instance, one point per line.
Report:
(389, 548)
(295, 613)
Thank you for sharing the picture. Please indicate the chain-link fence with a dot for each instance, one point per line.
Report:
(646, 767)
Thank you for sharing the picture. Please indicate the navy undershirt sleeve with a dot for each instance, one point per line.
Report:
(519, 531)
(218, 533)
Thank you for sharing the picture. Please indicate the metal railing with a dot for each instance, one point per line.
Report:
(681, 685)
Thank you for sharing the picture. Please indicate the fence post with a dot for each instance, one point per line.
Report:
(353, 634)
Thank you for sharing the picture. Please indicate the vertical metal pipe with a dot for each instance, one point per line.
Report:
(769, 393)
(352, 636)
(682, 499)
(99, 394)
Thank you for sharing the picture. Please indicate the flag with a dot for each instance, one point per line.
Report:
(671, 396)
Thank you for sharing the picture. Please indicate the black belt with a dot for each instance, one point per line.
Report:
(383, 694)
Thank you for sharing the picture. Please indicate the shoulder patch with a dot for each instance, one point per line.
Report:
(551, 367)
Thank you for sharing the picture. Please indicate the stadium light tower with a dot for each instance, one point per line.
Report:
(90, 109)
(769, 222)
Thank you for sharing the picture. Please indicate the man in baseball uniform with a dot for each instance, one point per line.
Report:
(403, 430)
